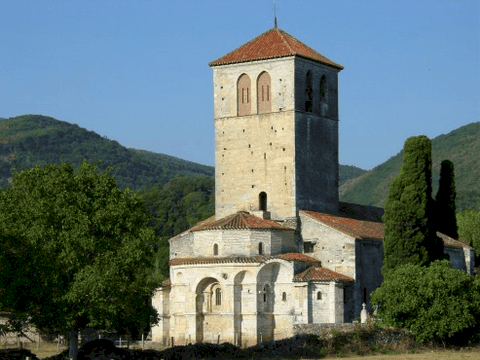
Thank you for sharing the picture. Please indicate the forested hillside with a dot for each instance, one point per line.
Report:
(461, 146)
(31, 140)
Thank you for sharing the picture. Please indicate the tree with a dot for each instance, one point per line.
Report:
(469, 228)
(435, 302)
(75, 252)
(410, 236)
(445, 201)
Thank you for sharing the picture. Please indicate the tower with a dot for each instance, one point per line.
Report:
(276, 128)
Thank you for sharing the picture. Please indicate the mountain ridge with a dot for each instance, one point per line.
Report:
(461, 146)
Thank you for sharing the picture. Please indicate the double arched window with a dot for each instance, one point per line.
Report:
(243, 95)
(264, 103)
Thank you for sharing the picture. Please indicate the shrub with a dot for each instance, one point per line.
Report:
(436, 303)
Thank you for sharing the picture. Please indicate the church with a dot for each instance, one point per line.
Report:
(281, 249)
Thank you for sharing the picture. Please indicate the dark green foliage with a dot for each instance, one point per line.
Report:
(180, 204)
(461, 146)
(175, 207)
(446, 221)
(469, 228)
(75, 251)
(410, 235)
(436, 303)
(31, 140)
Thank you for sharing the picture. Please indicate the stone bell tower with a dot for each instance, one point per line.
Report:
(276, 128)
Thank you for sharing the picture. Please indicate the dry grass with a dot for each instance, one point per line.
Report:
(468, 354)
(45, 349)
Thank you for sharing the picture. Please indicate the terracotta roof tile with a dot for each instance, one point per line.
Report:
(450, 242)
(167, 283)
(359, 229)
(246, 259)
(239, 220)
(318, 273)
(274, 43)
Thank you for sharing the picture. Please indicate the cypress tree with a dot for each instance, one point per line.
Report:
(445, 201)
(410, 235)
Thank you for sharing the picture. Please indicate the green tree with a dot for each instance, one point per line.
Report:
(469, 228)
(75, 252)
(445, 207)
(410, 235)
(435, 302)
(175, 207)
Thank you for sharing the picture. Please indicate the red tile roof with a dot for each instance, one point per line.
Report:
(239, 220)
(318, 273)
(167, 283)
(450, 242)
(359, 229)
(274, 43)
(246, 259)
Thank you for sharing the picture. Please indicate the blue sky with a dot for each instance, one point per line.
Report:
(136, 71)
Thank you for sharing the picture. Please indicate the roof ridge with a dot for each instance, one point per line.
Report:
(242, 45)
(284, 39)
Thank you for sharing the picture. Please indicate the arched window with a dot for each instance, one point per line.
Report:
(266, 293)
(323, 96)
(215, 249)
(260, 248)
(319, 295)
(308, 92)
(264, 93)
(243, 95)
(284, 296)
(267, 298)
(218, 296)
(262, 201)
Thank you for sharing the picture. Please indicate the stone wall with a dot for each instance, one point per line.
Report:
(334, 249)
(322, 329)
(244, 242)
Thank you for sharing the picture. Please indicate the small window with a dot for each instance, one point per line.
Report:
(260, 248)
(215, 249)
(308, 247)
(262, 201)
(319, 295)
(218, 296)
(284, 296)
(266, 293)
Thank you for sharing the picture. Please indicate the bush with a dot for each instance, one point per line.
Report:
(436, 303)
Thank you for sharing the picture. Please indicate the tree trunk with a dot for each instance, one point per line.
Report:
(73, 349)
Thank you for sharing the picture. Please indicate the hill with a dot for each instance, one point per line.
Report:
(30, 140)
(461, 146)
